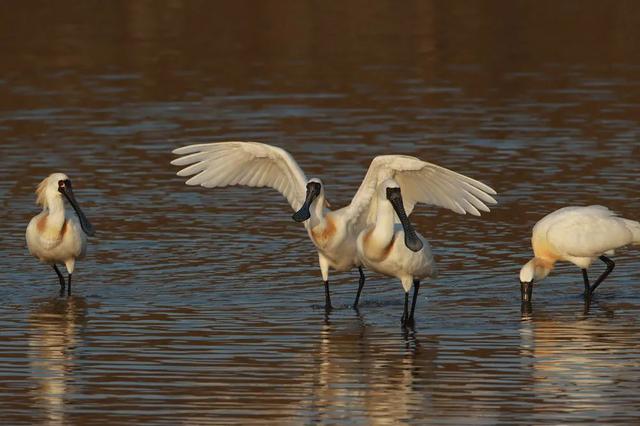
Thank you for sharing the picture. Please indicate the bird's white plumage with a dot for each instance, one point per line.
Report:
(401, 262)
(421, 182)
(55, 235)
(586, 231)
(243, 163)
(381, 246)
(334, 233)
(64, 249)
(578, 235)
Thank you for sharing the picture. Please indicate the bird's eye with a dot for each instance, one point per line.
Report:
(60, 184)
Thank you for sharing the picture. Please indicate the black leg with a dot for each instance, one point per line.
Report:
(69, 287)
(416, 288)
(587, 288)
(405, 313)
(61, 278)
(327, 297)
(610, 265)
(360, 285)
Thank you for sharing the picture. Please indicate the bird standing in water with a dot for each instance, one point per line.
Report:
(387, 243)
(578, 235)
(56, 236)
(396, 249)
(334, 233)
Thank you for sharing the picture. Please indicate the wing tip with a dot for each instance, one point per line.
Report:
(483, 187)
(181, 150)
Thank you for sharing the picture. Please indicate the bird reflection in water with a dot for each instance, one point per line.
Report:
(55, 332)
(570, 359)
(362, 373)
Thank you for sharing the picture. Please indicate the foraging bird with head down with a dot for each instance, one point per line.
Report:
(334, 233)
(579, 235)
(56, 236)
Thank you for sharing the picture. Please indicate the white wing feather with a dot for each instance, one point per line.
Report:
(243, 163)
(420, 182)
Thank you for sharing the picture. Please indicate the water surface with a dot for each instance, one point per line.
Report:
(200, 306)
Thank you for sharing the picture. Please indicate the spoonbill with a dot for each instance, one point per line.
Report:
(579, 235)
(55, 236)
(334, 233)
(380, 246)
(400, 183)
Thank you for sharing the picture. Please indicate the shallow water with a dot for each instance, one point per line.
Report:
(200, 306)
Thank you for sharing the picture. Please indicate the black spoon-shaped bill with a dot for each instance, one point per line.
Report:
(313, 190)
(67, 191)
(526, 291)
(411, 240)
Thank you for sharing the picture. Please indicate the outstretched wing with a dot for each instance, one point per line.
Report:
(243, 163)
(420, 182)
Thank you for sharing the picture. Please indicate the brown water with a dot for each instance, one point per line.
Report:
(200, 306)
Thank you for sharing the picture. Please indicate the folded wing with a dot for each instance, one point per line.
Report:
(243, 163)
(588, 231)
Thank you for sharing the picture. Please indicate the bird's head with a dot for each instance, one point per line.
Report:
(56, 188)
(47, 191)
(533, 271)
(388, 186)
(390, 190)
(315, 190)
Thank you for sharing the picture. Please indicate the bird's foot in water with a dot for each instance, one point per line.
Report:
(407, 321)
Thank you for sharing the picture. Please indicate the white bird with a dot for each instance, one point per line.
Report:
(578, 235)
(334, 233)
(401, 182)
(56, 236)
(395, 249)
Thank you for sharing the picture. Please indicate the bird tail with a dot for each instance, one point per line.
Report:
(634, 227)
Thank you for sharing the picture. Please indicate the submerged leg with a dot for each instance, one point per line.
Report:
(69, 287)
(587, 288)
(610, 265)
(61, 278)
(327, 297)
(405, 313)
(360, 285)
(416, 288)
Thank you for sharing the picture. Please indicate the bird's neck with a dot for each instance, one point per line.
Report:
(378, 241)
(56, 212)
(543, 267)
(317, 211)
(385, 223)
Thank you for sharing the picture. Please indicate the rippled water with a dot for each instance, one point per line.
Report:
(200, 306)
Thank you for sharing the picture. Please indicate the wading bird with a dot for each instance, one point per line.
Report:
(387, 242)
(578, 235)
(395, 249)
(334, 233)
(55, 236)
